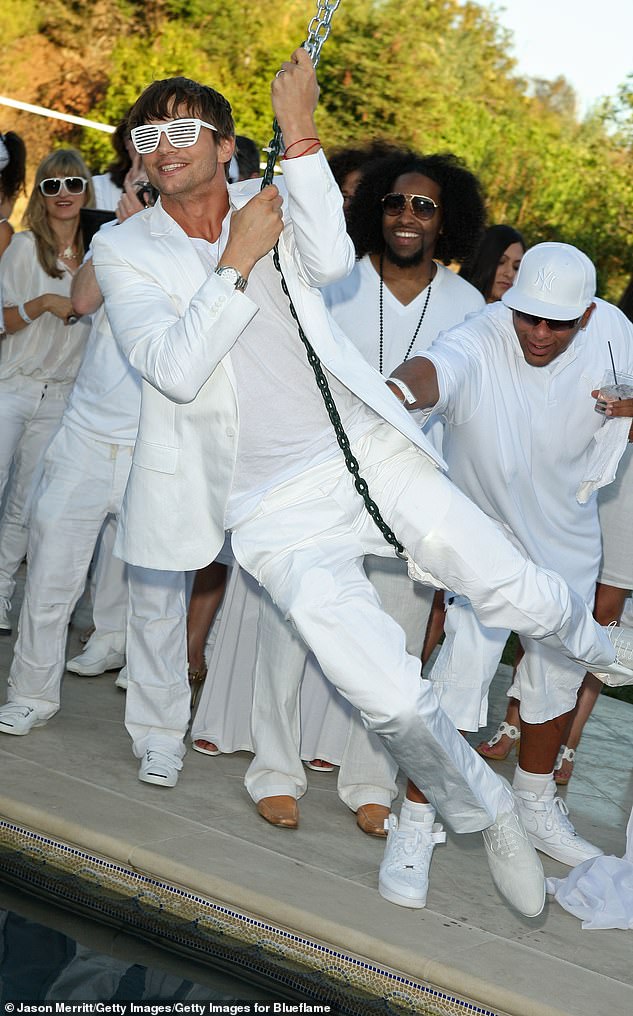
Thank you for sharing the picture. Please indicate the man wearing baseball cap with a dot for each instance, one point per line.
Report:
(514, 385)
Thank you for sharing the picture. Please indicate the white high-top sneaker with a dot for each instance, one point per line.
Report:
(550, 830)
(404, 869)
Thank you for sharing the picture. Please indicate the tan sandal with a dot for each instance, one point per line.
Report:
(487, 748)
(196, 680)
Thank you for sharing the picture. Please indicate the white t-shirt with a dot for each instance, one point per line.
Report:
(354, 304)
(106, 397)
(269, 358)
(517, 438)
(47, 349)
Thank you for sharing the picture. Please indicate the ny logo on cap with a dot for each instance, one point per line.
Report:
(545, 279)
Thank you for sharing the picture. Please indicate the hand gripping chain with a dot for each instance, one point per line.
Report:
(318, 31)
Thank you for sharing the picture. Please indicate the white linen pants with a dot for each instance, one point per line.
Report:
(83, 481)
(30, 412)
(158, 697)
(545, 683)
(108, 585)
(306, 542)
(367, 772)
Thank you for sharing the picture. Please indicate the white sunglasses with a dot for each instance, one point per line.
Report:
(180, 134)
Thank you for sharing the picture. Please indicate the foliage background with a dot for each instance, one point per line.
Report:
(435, 75)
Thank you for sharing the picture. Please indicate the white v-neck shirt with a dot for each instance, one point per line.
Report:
(354, 303)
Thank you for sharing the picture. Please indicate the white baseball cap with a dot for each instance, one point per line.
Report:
(554, 280)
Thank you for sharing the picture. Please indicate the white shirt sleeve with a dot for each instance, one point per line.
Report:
(458, 360)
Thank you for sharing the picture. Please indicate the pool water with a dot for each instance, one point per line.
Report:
(48, 954)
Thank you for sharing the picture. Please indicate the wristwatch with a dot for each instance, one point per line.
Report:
(233, 276)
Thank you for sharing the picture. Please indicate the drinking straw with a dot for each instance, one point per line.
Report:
(615, 376)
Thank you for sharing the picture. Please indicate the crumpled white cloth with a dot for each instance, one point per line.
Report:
(609, 444)
(599, 891)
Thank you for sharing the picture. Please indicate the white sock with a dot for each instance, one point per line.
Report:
(535, 783)
(414, 811)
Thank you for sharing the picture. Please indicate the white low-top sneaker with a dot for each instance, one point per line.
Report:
(160, 768)
(17, 719)
(621, 671)
(514, 864)
(101, 654)
(549, 829)
(5, 624)
(404, 870)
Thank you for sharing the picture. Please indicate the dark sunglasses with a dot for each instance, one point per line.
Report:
(52, 185)
(421, 206)
(554, 326)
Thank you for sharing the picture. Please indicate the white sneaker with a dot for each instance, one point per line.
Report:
(17, 719)
(549, 829)
(98, 656)
(404, 869)
(621, 671)
(514, 864)
(5, 624)
(159, 767)
(121, 681)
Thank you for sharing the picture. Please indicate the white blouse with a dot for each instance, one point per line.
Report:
(47, 349)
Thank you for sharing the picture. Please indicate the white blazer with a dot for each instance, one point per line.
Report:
(177, 327)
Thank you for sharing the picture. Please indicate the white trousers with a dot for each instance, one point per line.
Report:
(158, 697)
(108, 585)
(545, 682)
(367, 772)
(30, 412)
(83, 481)
(306, 543)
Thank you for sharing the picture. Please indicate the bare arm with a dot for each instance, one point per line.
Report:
(84, 292)
(60, 306)
(420, 377)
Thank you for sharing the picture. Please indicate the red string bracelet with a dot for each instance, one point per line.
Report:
(315, 144)
(298, 142)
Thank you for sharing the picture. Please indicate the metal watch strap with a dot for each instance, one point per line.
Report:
(233, 276)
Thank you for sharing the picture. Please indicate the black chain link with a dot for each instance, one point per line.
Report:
(318, 31)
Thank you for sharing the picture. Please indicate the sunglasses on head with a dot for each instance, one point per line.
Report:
(421, 206)
(180, 133)
(52, 185)
(553, 325)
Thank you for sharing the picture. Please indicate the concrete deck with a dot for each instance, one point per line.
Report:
(76, 779)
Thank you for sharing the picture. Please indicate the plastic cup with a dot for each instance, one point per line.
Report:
(612, 391)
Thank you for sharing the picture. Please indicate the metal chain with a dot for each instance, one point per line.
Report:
(318, 31)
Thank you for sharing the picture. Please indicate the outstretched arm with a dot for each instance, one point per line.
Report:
(419, 377)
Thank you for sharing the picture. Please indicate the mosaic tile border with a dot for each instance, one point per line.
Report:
(202, 928)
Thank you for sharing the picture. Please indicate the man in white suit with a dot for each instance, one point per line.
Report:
(233, 435)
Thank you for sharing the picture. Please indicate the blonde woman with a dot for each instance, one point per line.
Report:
(40, 355)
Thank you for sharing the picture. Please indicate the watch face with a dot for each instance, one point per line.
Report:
(230, 274)
(233, 276)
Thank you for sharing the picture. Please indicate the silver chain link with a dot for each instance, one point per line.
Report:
(318, 31)
(319, 28)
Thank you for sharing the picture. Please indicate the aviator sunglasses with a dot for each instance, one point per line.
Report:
(52, 185)
(180, 133)
(421, 206)
(553, 325)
